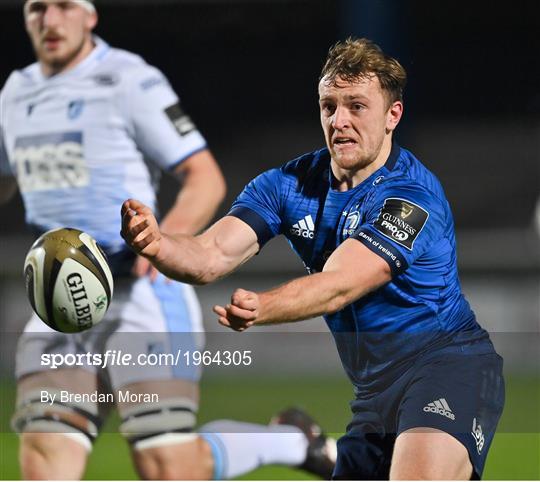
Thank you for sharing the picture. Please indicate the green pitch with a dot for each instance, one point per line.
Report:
(513, 455)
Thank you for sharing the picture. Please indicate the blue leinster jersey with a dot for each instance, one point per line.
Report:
(400, 213)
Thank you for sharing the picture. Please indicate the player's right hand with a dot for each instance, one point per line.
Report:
(140, 229)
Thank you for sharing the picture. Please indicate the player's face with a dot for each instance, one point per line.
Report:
(60, 31)
(356, 119)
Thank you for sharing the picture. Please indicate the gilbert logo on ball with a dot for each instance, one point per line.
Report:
(68, 281)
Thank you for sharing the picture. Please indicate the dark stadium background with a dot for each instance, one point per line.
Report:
(247, 73)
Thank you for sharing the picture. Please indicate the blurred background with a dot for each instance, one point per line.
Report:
(247, 74)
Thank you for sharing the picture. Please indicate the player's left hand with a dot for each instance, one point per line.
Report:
(241, 313)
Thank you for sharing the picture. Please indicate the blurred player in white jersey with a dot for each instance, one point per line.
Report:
(82, 129)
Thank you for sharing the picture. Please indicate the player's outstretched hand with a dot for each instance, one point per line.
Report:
(140, 229)
(241, 313)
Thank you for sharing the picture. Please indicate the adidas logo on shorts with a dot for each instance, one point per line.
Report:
(441, 407)
(304, 228)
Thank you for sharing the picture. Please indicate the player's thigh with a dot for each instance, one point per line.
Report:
(157, 393)
(159, 323)
(66, 396)
(77, 380)
(424, 453)
(460, 396)
(55, 399)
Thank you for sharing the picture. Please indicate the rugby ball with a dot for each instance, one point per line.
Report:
(68, 281)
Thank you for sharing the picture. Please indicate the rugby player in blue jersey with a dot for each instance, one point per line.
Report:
(375, 231)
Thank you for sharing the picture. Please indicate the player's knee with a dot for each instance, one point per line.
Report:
(191, 460)
(51, 456)
(55, 439)
(34, 457)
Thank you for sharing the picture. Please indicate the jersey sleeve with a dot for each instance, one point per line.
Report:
(161, 128)
(402, 223)
(259, 205)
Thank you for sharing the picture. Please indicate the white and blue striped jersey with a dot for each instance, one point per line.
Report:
(83, 141)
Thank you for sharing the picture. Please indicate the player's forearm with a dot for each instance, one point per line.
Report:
(304, 298)
(183, 258)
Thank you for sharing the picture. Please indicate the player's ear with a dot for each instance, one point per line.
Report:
(91, 21)
(393, 116)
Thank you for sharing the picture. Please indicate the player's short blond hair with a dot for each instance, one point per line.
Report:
(355, 59)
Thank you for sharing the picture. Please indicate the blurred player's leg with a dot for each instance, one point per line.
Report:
(191, 460)
(56, 437)
(429, 454)
(164, 446)
(239, 447)
(161, 318)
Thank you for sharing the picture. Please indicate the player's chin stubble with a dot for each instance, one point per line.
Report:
(59, 63)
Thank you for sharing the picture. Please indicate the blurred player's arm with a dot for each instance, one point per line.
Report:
(203, 190)
(192, 259)
(350, 273)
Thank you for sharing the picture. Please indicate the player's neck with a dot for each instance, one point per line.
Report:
(346, 179)
(50, 70)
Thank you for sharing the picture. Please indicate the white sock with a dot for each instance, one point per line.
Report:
(240, 447)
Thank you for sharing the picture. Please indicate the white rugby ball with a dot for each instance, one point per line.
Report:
(68, 281)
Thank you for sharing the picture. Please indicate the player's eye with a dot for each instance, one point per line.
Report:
(357, 106)
(36, 7)
(328, 109)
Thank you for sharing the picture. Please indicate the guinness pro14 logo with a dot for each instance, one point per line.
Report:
(401, 221)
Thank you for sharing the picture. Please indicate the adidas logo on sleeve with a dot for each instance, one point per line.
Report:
(304, 228)
(440, 407)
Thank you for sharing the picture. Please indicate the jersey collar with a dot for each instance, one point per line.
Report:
(393, 157)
